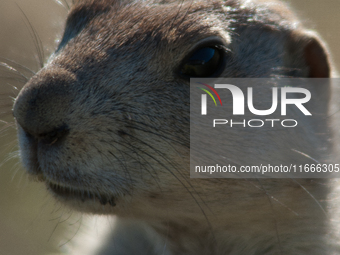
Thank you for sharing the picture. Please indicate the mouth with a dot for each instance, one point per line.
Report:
(82, 195)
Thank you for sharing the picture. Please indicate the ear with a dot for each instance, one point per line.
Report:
(308, 53)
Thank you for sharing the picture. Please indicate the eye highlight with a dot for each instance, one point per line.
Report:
(204, 62)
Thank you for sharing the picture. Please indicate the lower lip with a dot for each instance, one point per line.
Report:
(82, 195)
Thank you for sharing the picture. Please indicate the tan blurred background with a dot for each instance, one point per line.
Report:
(30, 222)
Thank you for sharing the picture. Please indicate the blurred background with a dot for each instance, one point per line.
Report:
(30, 222)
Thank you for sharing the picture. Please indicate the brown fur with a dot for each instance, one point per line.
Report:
(108, 117)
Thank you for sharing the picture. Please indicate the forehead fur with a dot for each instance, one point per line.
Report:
(265, 11)
(128, 22)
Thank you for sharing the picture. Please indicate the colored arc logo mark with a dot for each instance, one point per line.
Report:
(213, 90)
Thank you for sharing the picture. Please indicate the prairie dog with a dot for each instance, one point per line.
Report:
(91, 124)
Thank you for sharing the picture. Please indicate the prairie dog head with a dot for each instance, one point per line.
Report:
(105, 124)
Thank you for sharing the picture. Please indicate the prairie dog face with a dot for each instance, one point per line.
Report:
(105, 124)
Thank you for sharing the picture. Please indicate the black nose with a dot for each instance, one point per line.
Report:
(42, 106)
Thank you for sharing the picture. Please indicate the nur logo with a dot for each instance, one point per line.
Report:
(238, 99)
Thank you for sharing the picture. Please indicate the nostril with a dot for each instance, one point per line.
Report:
(54, 135)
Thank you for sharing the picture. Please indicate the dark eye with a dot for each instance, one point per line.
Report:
(204, 62)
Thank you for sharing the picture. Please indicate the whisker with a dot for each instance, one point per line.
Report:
(179, 180)
(13, 70)
(63, 3)
(273, 215)
(307, 156)
(311, 195)
(6, 60)
(36, 39)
